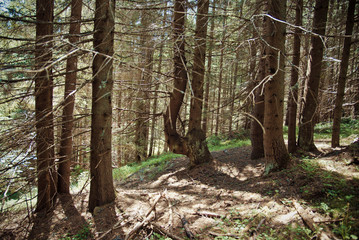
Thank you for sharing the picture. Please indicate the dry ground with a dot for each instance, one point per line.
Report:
(226, 199)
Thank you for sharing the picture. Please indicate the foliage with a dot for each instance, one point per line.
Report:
(84, 233)
(221, 142)
(348, 127)
(154, 165)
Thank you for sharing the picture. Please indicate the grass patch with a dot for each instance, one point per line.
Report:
(154, 164)
(332, 195)
(348, 127)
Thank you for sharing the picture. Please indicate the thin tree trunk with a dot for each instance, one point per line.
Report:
(142, 104)
(66, 148)
(343, 75)
(256, 132)
(209, 72)
(155, 101)
(307, 123)
(293, 90)
(275, 151)
(258, 112)
(101, 187)
(220, 77)
(46, 177)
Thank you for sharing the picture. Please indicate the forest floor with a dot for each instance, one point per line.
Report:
(229, 198)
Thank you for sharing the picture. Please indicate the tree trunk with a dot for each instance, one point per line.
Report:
(197, 146)
(101, 189)
(342, 75)
(275, 151)
(218, 110)
(193, 145)
(256, 131)
(258, 112)
(293, 90)
(66, 148)
(173, 139)
(142, 104)
(307, 122)
(46, 177)
(209, 70)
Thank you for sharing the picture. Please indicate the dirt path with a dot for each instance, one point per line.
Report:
(228, 199)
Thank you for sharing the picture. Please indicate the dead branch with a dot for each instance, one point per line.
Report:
(185, 225)
(224, 235)
(323, 234)
(145, 221)
(160, 230)
(209, 214)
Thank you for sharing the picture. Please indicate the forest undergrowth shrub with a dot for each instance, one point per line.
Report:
(348, 127)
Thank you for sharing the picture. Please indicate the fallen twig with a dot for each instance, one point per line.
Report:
(185, 225)
(324, 234)
(209, 214)
(147, 219)
(158, 229)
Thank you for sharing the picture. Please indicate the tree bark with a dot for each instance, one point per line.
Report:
(275, 151)
(209, 72)
(293, 90)
(307, 122)
(46, 177)
(220, 77)
(101, 187)
(174, 141)
(258, 112)
(193, 144)
(66, 148)
(256, 131)
(197, 146)
(142, 104)
(337, 115)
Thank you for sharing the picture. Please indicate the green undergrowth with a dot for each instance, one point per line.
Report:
(332, 195)
(349, 128)
(156, 164)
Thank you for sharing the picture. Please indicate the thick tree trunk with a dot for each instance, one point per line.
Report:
(275, 151)
(293, 90)
(174, 141)
(197, 146)
(342, 75)
(307, 123)
(102, 189)
(193, 145)
(66, 148)
(46, 176)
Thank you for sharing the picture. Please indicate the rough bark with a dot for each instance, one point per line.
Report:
(307, 122)
(209, 71)
(256, 132)
(66, 148)
(220, 77)
(337, 114)
(193, 144)
(101, 187)
(173, 139)
(46, 177)
(198, 150)
(275, 151)
(142, 104)
(293, 90)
